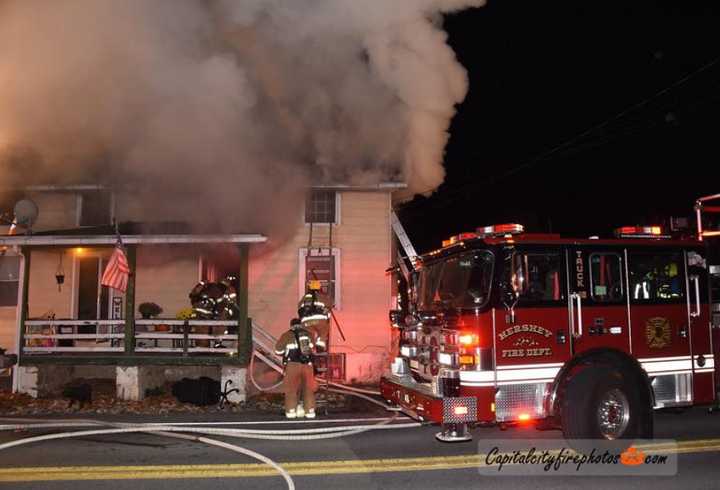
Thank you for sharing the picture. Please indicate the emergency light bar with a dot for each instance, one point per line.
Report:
(506, 229)
(640, 232)
(458, 238)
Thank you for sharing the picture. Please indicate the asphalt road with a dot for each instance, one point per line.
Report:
(403, 458)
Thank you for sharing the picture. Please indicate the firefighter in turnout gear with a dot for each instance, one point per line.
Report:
(297, 347)
(314, 315)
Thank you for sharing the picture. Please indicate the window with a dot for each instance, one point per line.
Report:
(321, 265)
(9, 279)
(656, 277)
(535, 276)
(95, 208)
(606, 277)
(461, 281)
(321, 207)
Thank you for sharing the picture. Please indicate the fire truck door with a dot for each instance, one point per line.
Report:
(698, 306)
(598, 294)
(533, 337)
(660, 320)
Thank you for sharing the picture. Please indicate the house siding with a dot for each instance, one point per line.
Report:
(58, 210)
(165, 276)
(364, 240)
(8, 327)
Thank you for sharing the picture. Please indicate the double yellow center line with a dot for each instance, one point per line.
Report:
(304, 468)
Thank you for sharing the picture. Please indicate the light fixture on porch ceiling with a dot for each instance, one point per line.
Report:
(60, 272)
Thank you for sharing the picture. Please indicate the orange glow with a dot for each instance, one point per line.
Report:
(468, 339)
(461, 410)
(79, 251)
(524, 417)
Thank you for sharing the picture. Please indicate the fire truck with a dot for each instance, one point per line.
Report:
(584, 335)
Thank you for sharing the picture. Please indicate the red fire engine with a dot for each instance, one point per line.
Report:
(584, 335)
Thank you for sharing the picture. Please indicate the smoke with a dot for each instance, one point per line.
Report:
(223, 111)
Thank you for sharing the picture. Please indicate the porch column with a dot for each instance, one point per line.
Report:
(244, 327)
(24, 302)
(130, 301)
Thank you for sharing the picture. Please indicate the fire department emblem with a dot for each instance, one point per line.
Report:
(657, 333)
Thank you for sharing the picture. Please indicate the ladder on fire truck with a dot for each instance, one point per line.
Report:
(701, 206)
(709, 231)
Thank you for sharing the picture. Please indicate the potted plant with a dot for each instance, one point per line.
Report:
(149, 310)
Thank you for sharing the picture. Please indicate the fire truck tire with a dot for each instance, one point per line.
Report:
(601, 404)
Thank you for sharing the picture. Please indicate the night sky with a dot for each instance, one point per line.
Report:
(581, 116)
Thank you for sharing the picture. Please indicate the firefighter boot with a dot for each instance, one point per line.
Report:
(291, 414)
(310, 414)
(300, 410)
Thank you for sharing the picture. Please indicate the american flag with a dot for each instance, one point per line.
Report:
(117, 271)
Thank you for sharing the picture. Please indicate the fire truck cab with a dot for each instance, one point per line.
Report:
(586, 335)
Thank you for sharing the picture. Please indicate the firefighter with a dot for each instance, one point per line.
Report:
(315, 315)
(297, 346)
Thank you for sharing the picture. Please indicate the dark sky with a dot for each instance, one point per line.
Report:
(582, 116)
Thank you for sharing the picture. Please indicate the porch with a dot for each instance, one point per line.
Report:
(141, 350)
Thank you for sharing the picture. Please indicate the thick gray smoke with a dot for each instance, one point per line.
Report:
(227, 106)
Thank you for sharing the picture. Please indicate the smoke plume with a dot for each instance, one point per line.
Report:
(226, 106)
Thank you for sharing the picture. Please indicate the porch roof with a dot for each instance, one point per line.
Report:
(51, 240)
(131, 233)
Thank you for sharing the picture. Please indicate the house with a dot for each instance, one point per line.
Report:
(73, 327)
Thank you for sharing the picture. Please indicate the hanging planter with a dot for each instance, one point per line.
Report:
(149, 310)
(60, 273)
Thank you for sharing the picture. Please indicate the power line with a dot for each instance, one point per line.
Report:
(461, 191)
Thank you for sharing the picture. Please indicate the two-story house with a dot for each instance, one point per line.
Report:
(59, 319)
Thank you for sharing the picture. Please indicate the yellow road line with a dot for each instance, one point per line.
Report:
(307, 468)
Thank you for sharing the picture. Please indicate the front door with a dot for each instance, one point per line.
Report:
(598, 299)
(93, 299)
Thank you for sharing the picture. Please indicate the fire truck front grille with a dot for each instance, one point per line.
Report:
(514, 401)
(672, 390)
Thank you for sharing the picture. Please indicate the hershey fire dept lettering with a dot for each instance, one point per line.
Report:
(516, 329)
(537, 352)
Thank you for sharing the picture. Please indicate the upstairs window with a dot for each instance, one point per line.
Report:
(321, 207)
(95, 208)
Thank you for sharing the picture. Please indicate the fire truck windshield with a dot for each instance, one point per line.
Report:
(460, 281)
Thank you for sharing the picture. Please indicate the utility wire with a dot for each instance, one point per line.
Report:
(461, 192)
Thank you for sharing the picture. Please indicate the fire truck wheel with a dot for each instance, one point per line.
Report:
(600, 404)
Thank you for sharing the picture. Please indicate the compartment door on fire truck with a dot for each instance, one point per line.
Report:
(660, 321)
(532, 346)
(598, 299)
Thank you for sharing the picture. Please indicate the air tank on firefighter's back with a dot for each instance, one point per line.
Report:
(215, 300)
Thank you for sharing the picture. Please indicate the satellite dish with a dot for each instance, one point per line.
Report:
(26, 212)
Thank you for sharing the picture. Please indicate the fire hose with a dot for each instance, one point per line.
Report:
(178, 432)
(276, 385)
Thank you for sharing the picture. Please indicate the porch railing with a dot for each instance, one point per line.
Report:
(50, 336)
(155, 336)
